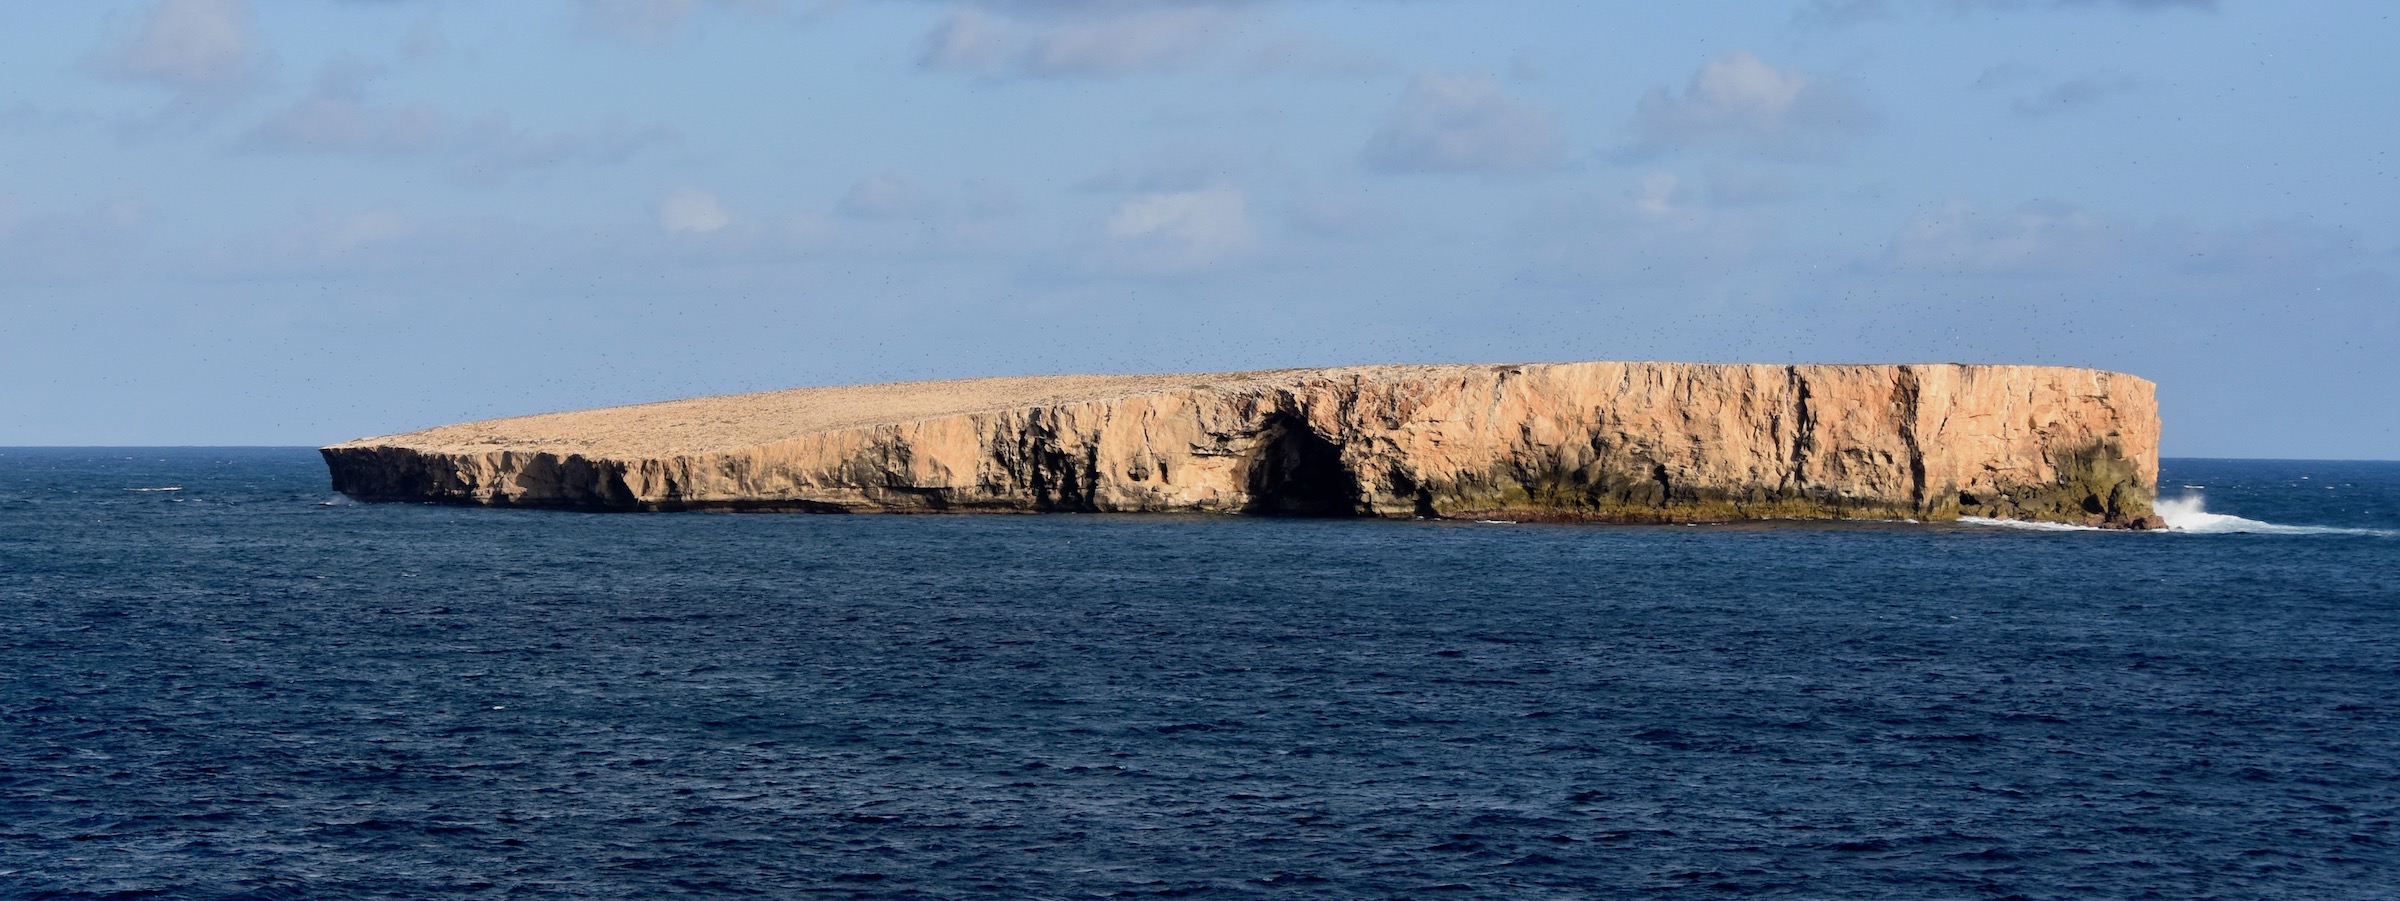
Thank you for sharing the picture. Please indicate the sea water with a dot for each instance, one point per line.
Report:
(217, 680)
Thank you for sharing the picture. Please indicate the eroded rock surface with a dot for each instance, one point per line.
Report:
(1620, 442)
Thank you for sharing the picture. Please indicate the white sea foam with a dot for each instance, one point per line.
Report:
(2188, 514)
(168, 488)
(2027, 525)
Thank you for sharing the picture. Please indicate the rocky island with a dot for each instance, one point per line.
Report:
(1600, 442)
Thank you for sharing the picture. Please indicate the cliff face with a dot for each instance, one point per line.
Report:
(1625, 442)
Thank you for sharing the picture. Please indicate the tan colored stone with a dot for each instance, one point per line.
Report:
(1567, 441)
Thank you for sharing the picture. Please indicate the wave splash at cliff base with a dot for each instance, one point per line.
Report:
(2188, 513)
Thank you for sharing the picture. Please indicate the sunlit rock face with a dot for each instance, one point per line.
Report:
(1614, 442)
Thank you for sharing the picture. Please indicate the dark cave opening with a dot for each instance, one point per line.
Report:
(1299, 473)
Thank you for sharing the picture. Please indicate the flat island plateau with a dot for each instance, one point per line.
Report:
(1567, 442)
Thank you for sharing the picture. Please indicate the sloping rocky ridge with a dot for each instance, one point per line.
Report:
(1617, 442)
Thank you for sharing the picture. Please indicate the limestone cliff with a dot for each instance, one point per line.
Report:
(1618, 442)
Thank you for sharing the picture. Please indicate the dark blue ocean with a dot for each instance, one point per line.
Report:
(215, 682)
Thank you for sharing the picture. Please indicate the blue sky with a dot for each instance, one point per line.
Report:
(285, 222)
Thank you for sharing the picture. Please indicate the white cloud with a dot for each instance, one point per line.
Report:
(351, 233)
(1302, 54)
(1120, 41)
(692, 211)
(887, 196)
(1463, 123)
(191, 43)
(1852, 12)
(323, 124)
(1734, 188)
(891, 196)
(26, 115)
(2055, 239)
(971, 41)
(327, 241)
(337, 118)
(1178, 167)
(206, 51)
(989, 200)
(2074, 94)
(1141, 42)
(424, 41)
(1739, 102)
(1184, 229)
(1338, 214)
(1842, 12)
(1657, 194)
(1654, 231)
(2034, 238)
(1113, 38)
(655, 22)
(75, 242)
(493, 146)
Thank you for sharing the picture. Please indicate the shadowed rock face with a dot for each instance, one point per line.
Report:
(1616, 442)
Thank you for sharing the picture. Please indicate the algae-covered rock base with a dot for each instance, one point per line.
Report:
(1601, 442)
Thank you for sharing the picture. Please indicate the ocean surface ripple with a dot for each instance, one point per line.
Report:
(219, 682)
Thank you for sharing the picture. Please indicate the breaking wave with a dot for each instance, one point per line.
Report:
(2188, 514)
